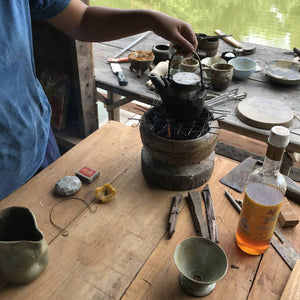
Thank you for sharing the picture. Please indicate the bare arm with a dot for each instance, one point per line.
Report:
(99, 24)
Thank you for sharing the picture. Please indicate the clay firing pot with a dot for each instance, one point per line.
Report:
(179, 152)
(161, 53)
(24, 253)
(140, 61)
(207, 47)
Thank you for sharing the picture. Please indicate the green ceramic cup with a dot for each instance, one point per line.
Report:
(201, 264)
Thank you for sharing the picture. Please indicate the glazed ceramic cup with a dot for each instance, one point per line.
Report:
(221, 76)
(189, 64)
(201, 264)
(208, 62)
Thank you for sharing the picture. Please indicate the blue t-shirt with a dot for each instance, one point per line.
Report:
(24, 109)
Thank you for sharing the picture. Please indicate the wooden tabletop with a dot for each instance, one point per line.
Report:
(122, 250)
(256, 86)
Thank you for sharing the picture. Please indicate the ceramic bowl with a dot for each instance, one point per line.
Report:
(208, 62)
(243, 67)
(283, 71)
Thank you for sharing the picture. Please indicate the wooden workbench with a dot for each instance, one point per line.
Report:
(256, 85)
(121, 250)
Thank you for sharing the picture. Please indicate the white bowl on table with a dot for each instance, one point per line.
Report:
(243, 67)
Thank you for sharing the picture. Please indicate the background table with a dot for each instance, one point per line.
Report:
(256, 85)
(121, 250)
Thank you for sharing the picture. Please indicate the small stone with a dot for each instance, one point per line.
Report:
(68, 185)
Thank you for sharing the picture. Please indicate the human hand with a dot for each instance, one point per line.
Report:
(179, 32)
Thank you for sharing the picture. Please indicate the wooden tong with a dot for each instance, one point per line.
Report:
(206, 228)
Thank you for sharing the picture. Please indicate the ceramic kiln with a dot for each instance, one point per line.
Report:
(177, 155)
(179, 135)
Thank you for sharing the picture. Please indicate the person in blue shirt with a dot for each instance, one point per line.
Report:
(27, 143)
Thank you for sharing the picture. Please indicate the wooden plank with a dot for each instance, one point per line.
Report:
(287, 216)
(254, 87)
(292, 289)
(98, 152)
(158, 279)
(195, 205)
(104, 249)
(110, 150)
(83, 72)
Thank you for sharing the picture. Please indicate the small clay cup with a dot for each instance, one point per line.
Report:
(221, 76)
(161, 53)
(189, 64)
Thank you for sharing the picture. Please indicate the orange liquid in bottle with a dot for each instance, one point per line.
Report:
(261, 207)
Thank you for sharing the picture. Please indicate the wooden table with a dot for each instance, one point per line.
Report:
(121, 250)
(256, 85)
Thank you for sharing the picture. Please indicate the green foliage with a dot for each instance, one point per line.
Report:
(267, 22)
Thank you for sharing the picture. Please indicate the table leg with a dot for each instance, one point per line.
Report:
(113, 114)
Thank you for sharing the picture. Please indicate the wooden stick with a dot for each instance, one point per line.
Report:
(210, 214)
(194, 201)
(292, 288)
(174, 214)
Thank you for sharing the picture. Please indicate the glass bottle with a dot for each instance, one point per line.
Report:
(263, 197)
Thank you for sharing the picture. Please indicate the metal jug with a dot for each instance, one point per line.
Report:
(183, 95)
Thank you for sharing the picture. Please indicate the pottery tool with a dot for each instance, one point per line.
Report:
(210, 214)
(240, 48)
(117, 70)
(231, 95)
(132, 44)
(264, 113)
(194, 201)
(213, 37)
(237, 179)
(282, 246)
(118, 60)
(174, 214)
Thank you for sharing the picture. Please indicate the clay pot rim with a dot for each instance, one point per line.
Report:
(141, 52)
(31, 215)
(161, 47)
(207, 135)
(222, 67)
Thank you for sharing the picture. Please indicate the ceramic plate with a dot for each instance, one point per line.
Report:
(283, 71)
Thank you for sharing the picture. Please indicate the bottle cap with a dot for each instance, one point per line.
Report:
(279, 136)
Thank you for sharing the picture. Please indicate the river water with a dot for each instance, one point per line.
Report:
(267, 22)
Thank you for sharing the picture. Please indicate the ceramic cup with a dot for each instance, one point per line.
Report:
(201, 264)
(221, 76)
(161, 53)
(189, 64)
(207, 63)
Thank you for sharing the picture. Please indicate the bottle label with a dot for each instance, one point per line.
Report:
(258, 220)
